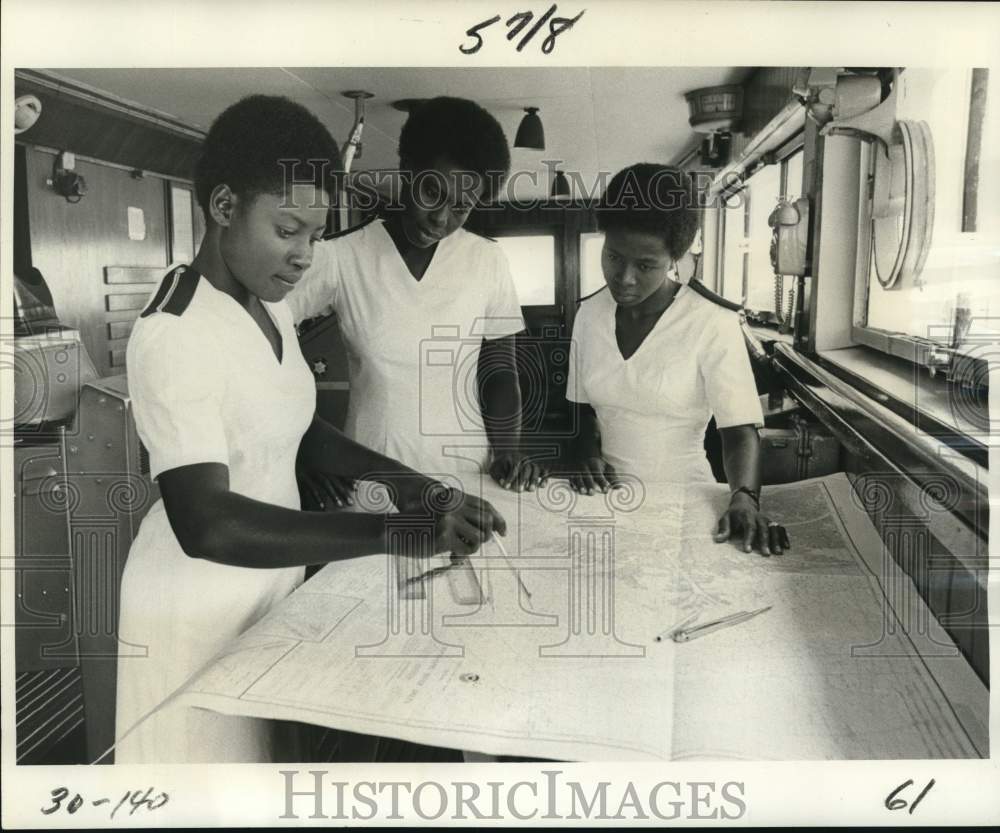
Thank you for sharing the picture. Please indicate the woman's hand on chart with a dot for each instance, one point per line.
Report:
(744, 520)
(593, 474)
(462, 530)
(514, 470)
(462, 523)
(324, 491)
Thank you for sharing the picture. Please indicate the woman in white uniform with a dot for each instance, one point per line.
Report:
(428, 311)
(223, 403)
(653, 360)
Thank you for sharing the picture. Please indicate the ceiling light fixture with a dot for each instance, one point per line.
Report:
(530, 134)
(560, 186)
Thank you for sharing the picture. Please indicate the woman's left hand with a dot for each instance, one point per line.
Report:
(744, 519)
(514, 470)
(320, 491)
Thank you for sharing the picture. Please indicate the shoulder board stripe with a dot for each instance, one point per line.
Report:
(591, 295)
(707, 293)
(344, 232)
(183, 293)
(175, 292)
(165, 288)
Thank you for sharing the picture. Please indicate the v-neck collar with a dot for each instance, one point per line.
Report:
(659, 321)
(435, 256)
(279, 356)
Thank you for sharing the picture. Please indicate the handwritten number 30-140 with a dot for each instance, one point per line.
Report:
(517, 23)
(135, 798)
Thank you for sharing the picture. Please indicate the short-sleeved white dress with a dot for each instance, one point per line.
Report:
(206, 388)
(653, 408)
(413, 346)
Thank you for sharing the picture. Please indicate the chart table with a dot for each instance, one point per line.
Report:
(552, 652)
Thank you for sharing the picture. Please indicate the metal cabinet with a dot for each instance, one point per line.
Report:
(48, 692)
(43, 568)
(108, 472)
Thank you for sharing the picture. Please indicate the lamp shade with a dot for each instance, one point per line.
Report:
(530, 134)
(560, 185)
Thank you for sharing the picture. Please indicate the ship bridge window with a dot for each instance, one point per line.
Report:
(762, 192)
(182, 236)
(954, 298)
(747, 275)
(793, 176)
(591, 274)
(735, 246)
(532, 259)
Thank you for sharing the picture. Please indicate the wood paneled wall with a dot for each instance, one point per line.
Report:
(99, 275)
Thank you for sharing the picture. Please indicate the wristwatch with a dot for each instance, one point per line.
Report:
(754, 493)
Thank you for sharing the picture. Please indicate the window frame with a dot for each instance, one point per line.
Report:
(173, 219)
(912, 389)
(918, 350)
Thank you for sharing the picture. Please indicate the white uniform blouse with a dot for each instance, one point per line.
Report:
(413, 346)
(652, 408)
(206, 387)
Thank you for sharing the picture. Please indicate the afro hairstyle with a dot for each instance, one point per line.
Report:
(655, 199)
(252, 142)
(460, 131)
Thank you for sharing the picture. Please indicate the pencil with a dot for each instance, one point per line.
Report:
(710, 627)
(679, 626)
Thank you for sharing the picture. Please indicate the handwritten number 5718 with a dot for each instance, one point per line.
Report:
(516, 23)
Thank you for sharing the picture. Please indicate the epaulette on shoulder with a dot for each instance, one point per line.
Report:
(591, 295)
(175, 292)
(707, 293)
(333, 235)
(484, 236)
